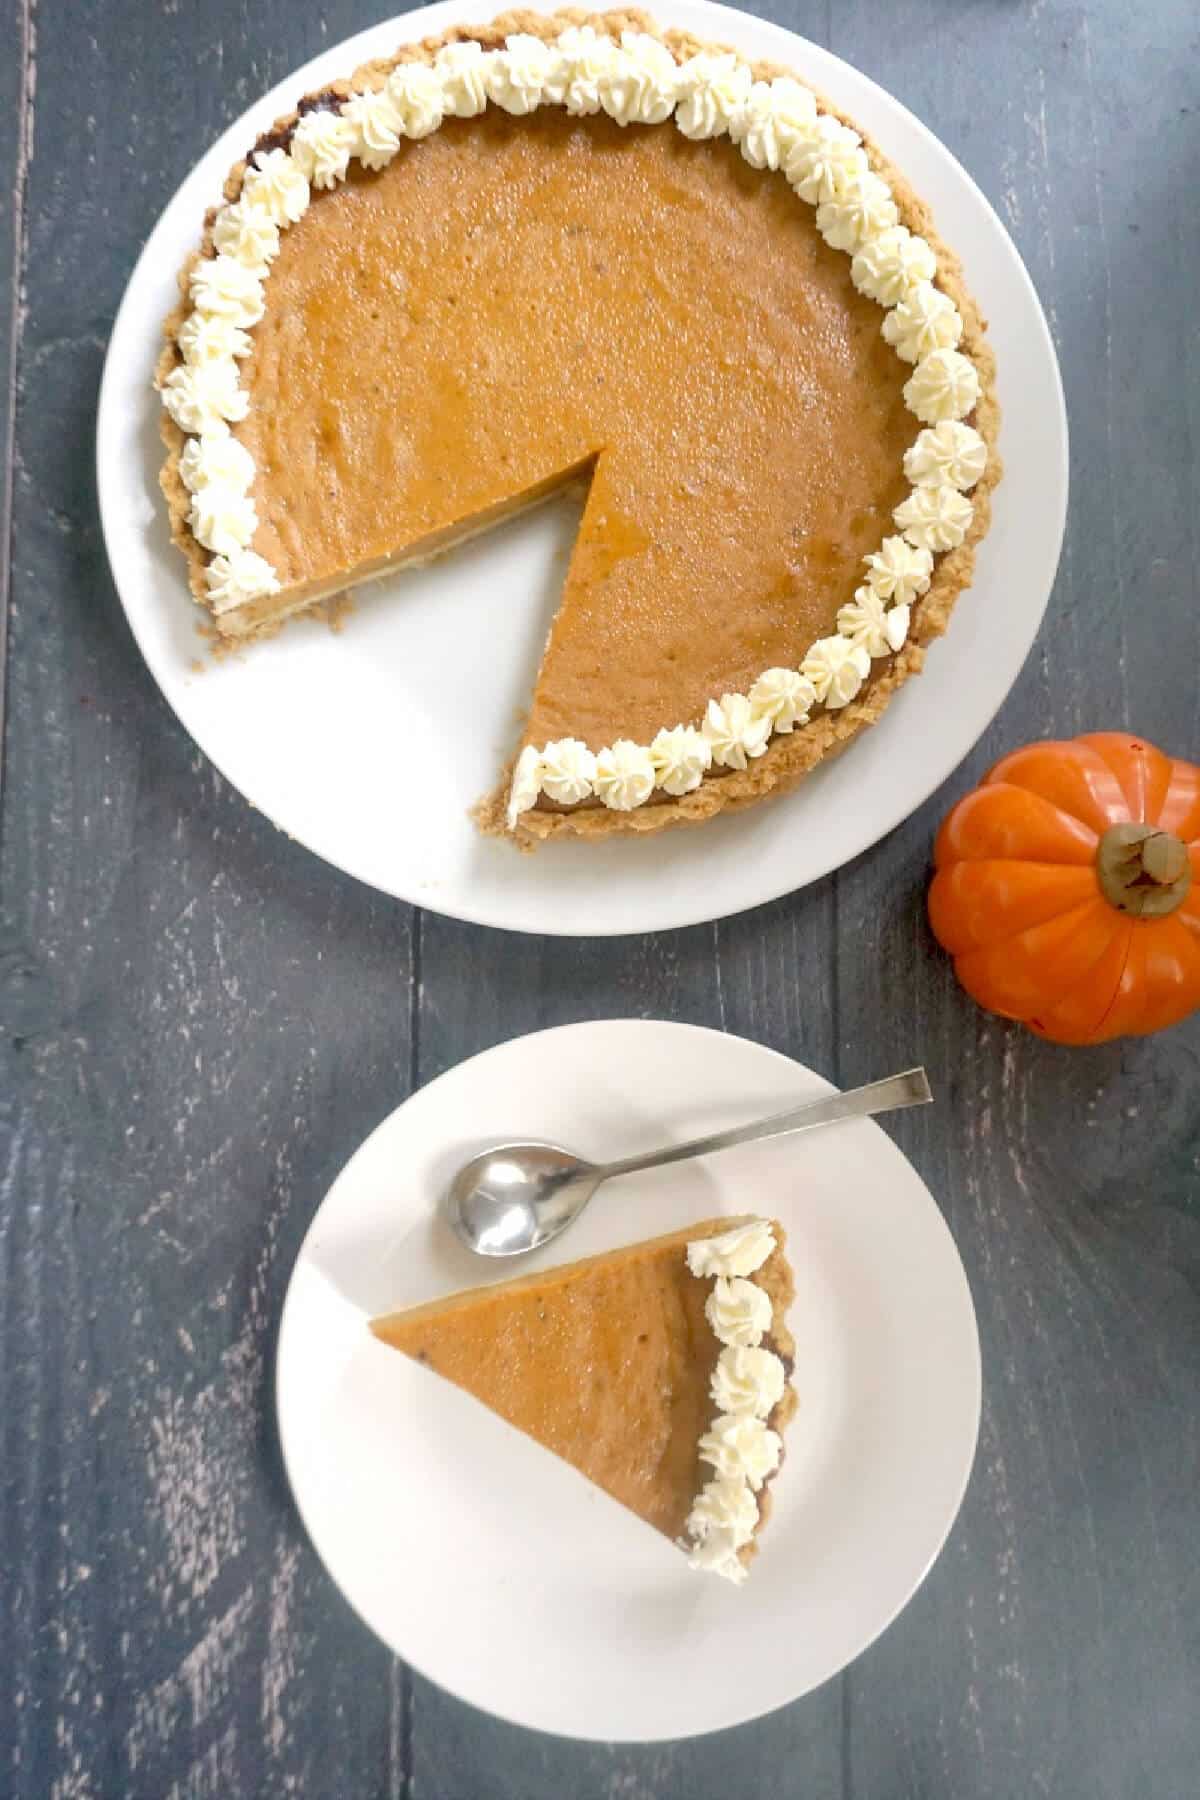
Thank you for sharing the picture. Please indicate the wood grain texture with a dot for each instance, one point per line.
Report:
(200, 1021)
(16, 137)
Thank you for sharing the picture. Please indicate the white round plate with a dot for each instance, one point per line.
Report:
(503, 1574)
(354, 743)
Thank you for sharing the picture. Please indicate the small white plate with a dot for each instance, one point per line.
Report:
(500, 1572)
(355, 744)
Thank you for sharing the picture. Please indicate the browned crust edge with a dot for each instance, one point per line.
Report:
(789, 757)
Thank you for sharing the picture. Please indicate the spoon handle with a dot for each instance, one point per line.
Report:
(909, 1089)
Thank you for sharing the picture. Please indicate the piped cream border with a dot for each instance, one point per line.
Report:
(774, 1279)
(633, 77)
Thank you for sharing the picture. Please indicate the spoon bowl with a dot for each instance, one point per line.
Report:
(517, 1196)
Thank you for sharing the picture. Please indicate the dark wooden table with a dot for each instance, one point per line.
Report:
(201, 1021)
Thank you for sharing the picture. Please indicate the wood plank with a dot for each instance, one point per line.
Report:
(459, 1752)
(202, 1020)
(192, 1000)
(1049, 1652)
(16, 126)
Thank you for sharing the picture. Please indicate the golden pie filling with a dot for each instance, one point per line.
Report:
(511, 303)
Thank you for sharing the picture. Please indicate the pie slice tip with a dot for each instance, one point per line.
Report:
(661, 1371)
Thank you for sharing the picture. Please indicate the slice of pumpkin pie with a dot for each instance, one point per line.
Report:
(543, 252)
(660, 1371)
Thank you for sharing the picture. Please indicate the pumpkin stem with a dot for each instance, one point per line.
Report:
(1143, 871)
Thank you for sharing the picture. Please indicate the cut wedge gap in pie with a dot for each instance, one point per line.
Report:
(660, 1371)
(536, 253)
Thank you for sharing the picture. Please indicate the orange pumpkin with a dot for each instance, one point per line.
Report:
(1068, 888)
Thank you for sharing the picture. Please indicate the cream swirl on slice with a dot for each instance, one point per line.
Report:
(837, 669)
(463, 74)
(740, 1447)
(223, 286)
(321, 146)
(275, 182)
(951, 453)
(935, 518)
(784, 697)
(624, 775)
(588, 59)
(216, 460)
(377, 127)
(568, 771)
(861, 209)
(713, 86)
(208, 337)
(740, 1251)
(641, 86)
(823, 162)
(925, 320)
(222, 519)
(205, 397)
(866, 621)
(898, 571)
(415, 91)
(526, 784)
(890, 264)
(944, 385)
(520, 76)
(726, 1503)
(717, 1553)
(736, 733)
(246, 231)
(235, 579)
(681, 757)
(738, 1310)
(748, 1379)
(772, 120)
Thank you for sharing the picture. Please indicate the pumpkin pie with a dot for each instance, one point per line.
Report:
(577, 250)
(660, 1371)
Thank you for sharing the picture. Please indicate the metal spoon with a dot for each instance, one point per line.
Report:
(516, 1197)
